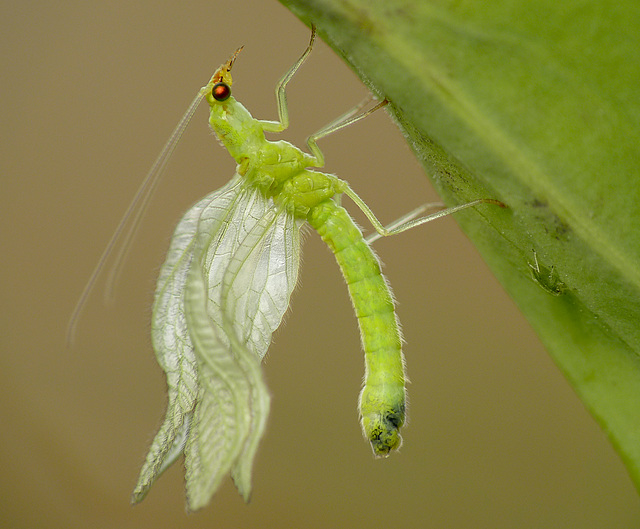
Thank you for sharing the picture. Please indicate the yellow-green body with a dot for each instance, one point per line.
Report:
(382, 401)
(280, 171)
(225, 286)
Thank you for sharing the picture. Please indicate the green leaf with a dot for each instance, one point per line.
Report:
(536, 104)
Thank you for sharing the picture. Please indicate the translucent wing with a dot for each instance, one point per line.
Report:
(257, 284)
(224, 289)
(173, 347)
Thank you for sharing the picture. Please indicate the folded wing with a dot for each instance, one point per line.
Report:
(222, 292)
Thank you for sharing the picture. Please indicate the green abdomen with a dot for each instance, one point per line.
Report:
(382, 401)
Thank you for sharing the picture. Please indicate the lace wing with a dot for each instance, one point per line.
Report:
(172, 343)
(222, 292)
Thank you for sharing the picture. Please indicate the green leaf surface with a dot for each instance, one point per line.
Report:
(536, 104)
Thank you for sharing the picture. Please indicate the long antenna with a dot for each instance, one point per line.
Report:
(135, 211)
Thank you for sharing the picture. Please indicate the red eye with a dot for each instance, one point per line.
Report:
(221, 91)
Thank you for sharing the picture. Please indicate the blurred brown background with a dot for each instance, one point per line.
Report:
(91, 90)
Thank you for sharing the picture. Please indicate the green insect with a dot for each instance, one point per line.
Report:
(546, 278)
(226, 283)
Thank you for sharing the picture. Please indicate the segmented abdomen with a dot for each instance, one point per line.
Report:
(382, 401)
